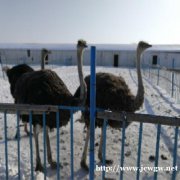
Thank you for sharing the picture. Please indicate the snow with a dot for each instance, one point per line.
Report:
(156, 102)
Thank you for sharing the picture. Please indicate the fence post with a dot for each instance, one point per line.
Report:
(18, 144)
(57, 142)
(175, 152)
(72, 144)
(104, 146)
(172, 79)
(158, 72)
(157, 150)
(6, 144)
(139, 150)
(31, 145)
(123, 144)
(92, 109)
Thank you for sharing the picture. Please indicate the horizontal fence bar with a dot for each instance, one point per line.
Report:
(135, 117)
(25, 108)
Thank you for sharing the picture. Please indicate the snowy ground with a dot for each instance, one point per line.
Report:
(156, 102)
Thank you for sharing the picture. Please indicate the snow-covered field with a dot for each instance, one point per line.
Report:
(156, 102)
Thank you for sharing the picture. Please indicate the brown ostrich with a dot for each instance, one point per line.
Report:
(15, 73)
(44, 87)
(113, 93)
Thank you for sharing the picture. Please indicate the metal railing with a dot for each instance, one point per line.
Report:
(43, 110)
(166, 78)
(141, 118)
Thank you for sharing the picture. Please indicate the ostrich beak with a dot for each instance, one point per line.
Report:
(46, 51)
(149, 45)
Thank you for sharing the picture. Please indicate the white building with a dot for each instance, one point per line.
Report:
(106, 55)
(165, 55)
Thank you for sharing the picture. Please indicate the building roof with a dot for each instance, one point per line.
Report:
(103, 47)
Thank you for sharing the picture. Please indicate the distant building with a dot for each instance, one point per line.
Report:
(164, 55)
(119, 55)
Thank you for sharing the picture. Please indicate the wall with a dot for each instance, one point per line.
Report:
(164, 58)
(103, 57)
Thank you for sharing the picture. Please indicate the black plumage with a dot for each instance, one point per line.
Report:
(44, 87)
(112, 93)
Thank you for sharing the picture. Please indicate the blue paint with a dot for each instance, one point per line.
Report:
(18, 144)
(139, 150)
(104, 146)
(57, 143)
(44, 143)
(31, 145)
(122, 145)
(175, 152)
(6, 145)
(157, 150)
(92, 109)
(72, 147)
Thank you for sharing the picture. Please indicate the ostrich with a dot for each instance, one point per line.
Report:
(19, 70)
(44, 54)
(113, 93)
(45, 87)
(13, 75)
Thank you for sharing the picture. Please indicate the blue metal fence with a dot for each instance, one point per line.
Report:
(166, 78)
(93, 111)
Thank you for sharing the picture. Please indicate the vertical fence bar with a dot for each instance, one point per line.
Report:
(57, 143)
(104, 147)
(31, 145)
(158, 76)
(72, 147)
(172, 79)
(44, 144)
(175, 152)
(139, 150)
(18, 144)
(6, 145)
(122, 146)
(92, 109)
(157, 150)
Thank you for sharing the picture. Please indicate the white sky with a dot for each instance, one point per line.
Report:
(96, 21)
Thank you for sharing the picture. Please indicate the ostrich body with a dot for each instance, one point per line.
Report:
(44, 87)
(13, 75)
(113, 93)
(19, 70)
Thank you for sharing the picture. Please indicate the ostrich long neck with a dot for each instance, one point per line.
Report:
(43, 58)
(140, 92)
(83, 89)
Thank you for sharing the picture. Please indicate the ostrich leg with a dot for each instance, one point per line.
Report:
(39, 166)
(49, 154)
(107, 161)
(84, 155)
(26, 129)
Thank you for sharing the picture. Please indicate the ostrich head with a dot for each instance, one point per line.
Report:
(81, 45)
(45, 52)
(142, 46)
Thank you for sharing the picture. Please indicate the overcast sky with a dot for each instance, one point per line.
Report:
(96, 21)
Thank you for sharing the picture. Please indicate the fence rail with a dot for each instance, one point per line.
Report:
(142, 118)
(166, 78)
(26, 108)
